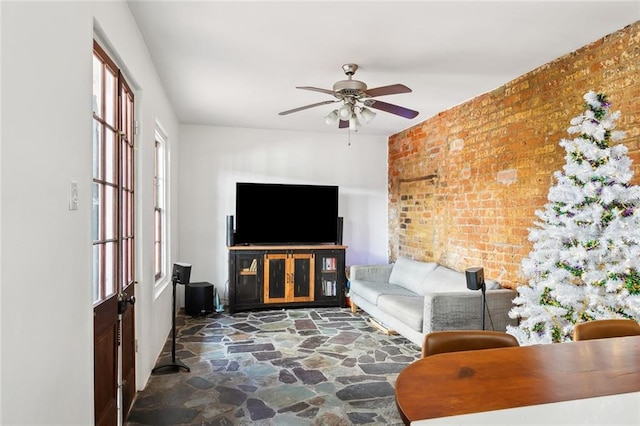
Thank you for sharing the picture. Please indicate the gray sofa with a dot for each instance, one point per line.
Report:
(414, 298)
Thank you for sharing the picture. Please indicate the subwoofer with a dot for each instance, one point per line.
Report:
(198, 298)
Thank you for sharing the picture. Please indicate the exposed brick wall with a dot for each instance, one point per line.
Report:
(464, 185)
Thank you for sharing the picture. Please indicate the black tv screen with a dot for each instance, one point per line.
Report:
(270, 213)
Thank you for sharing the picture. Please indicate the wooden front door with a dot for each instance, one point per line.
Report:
(113, 242)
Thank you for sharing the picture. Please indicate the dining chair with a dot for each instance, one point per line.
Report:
(465, 340)
(604, 328)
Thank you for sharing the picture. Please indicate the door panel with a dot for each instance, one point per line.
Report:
(302, 277)
(128, 353)
(127, 241)
(247, 283)
(274, 278)
(105, 328)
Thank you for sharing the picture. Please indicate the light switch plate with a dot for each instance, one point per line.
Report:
(73, 196)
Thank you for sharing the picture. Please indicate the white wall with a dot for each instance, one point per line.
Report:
(47, 321)
(46, 312)
(213, 159)
(1, 135)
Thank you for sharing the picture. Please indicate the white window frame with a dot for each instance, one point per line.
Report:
(160, 187)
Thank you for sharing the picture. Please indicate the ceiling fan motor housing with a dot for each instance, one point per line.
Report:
(350, 87)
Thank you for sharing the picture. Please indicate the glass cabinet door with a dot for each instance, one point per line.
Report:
(328, 285)
(248, 289)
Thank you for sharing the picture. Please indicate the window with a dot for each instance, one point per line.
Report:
(159, 204)
(113, 171)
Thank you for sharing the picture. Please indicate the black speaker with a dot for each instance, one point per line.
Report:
(230, 232)
(339, 236)
(198, 298)
(181, 272)
(475, 278)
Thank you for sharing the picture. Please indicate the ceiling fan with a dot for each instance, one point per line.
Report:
(356, 100)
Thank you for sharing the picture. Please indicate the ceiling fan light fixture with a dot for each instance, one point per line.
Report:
(345, 112)
(332, 118)
(354, 123)
(367, 115)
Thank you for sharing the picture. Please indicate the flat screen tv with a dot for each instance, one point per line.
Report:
(270, 213)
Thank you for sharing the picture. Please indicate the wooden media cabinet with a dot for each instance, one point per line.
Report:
(268, 277)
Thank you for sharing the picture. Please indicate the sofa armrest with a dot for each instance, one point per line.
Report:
(375, 273)
(463, 310)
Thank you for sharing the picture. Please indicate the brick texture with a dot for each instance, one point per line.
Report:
(464, 185)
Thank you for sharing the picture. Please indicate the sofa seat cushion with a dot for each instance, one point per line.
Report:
(408, 309)
(410, 274)
(370, 290)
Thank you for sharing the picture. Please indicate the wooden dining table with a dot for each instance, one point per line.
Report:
(458, 383)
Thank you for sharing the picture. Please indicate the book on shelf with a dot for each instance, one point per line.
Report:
(253, 267)
(329, 263)
(328, 288)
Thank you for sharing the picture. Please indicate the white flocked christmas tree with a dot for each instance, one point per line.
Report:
(585, 261)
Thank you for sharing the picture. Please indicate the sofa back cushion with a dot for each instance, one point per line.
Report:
(444, 280)
(410, 274)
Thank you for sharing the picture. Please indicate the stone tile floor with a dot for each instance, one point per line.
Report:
(320, 366)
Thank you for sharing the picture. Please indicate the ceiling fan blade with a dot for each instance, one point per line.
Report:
(343, 124)
(387, 90)
(306, 107)
(393, 109)
(317, 89)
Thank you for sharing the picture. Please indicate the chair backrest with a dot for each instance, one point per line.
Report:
(601, 329)
(465, 340)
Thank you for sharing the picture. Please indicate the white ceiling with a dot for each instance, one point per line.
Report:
(237, 63)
